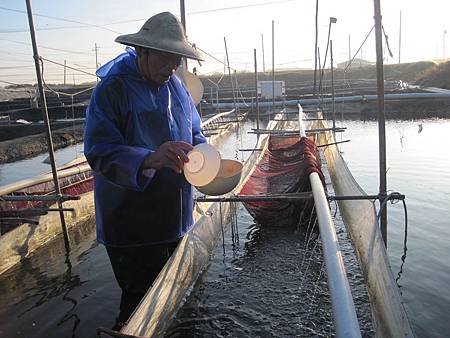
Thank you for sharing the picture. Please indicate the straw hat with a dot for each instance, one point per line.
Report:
(162, 32)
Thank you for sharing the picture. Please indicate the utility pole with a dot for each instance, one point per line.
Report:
(400, 38)
(96, 59)
(64, 72)
(349, 50)
(443, 44)
(46, 122)
(263, 62)
(381, 120)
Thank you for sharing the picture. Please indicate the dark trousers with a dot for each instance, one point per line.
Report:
(135, 270)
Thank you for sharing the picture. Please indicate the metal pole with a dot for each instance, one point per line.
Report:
(256, 91)
(64, 72)
(400, 38)
(46, 120)
(332, 86)
(273, 66)
(381, 116)
(231, 77)
(316, 49)
(263, 61)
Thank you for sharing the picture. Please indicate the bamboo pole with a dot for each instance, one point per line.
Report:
(46, 120)
(381, 116)
(256, 91)
(332, 85)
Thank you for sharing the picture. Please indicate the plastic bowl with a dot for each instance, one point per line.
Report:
(226, 180)
(203, 166)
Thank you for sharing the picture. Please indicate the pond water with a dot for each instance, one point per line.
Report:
(55, 295)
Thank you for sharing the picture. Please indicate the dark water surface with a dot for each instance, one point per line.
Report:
(56, 295)
(53, 295)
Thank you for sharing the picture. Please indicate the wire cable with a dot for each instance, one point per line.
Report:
(362, 44)
(59, 18)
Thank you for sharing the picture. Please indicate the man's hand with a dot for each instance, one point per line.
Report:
(171, 154)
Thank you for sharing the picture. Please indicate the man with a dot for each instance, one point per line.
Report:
(140, 124)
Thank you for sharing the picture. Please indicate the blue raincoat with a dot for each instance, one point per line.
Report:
(126, 121)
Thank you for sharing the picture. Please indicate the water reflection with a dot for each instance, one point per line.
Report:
(55, 292)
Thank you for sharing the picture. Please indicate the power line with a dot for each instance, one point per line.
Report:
(46, 47)
(238, 7)
(76, 69)
(58, 18)
(24, 30)
(15, 67)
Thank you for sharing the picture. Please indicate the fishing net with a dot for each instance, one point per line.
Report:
(284, 168)
(15, 213)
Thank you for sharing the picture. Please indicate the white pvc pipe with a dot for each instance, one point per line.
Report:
(339, 99)
(345, 319)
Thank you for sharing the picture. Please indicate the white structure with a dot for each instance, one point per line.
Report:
(265, 90)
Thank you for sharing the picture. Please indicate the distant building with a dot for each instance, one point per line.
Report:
(355, 63)
(267, 91)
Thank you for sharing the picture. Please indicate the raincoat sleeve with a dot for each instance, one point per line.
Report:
(105, 145)
(197, 135)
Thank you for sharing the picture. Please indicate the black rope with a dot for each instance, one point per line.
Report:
(391, 197)
(405, 239)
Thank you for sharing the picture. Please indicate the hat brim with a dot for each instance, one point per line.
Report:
(178, 48)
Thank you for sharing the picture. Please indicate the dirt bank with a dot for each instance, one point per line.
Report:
(29, 146)
(436, 76)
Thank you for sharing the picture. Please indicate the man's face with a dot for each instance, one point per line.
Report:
(157, 66)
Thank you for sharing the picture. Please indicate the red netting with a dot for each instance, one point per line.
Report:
(74, 185)
(284, 168)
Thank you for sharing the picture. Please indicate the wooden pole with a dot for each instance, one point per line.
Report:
(96, 60)
(256, 91)
(316, 49)
(273, 66)
(183, 23)
(400, 38)
(46, 121)
(64, 72)
(231, 78)
(332, 86)
(263, 61)
(381, 117)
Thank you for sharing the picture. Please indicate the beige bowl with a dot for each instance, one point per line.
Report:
(226, 179)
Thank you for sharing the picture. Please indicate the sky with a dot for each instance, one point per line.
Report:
(68, 31)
